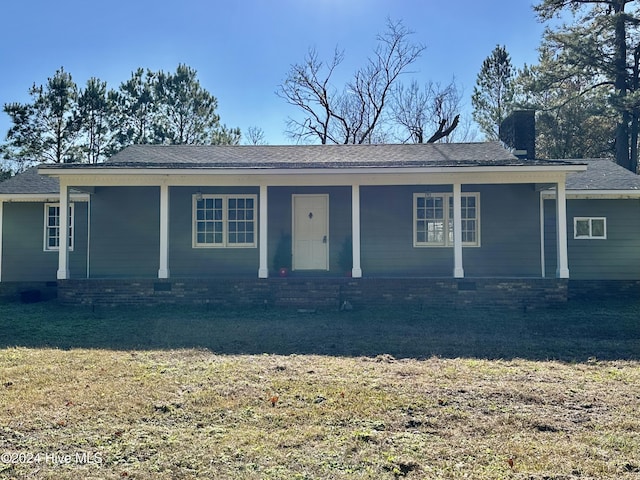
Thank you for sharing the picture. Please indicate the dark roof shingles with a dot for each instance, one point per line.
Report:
(30, 182)
(603, 174)
(307, 156)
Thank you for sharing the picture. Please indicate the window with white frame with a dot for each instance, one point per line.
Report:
(433, 219)
(224, 220)
(52, 226)
(590, 227)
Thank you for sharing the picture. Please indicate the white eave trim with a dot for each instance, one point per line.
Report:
(594, 194)
(59, 172)
(41, 197)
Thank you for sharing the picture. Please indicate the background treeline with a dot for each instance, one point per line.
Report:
(585, 90)
(64, 123)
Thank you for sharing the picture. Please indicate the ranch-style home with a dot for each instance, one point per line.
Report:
(160, 215)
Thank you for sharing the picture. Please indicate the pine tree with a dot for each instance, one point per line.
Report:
(187, 112)
(493, 94)
(600, 50)
(134, 110)
(45, 130)
(93, 111)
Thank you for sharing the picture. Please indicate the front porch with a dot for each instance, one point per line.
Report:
(374, 230)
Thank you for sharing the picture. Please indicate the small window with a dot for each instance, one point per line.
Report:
(52, 227)
(224, 221)
(433, 219)
(590, 228)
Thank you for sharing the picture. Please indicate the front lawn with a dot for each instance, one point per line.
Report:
(172, 393)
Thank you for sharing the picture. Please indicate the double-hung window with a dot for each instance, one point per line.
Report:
(52, 226)
(224, 220)
(433, 219)
(590, 228)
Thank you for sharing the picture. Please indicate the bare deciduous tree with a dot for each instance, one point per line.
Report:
(308, 87)
(418, 111)
(255, 136)
(359, 112)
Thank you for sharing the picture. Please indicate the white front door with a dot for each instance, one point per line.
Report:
(310, 232)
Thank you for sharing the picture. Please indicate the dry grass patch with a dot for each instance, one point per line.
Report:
(193, 414)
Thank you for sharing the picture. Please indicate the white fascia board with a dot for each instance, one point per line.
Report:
(59, 172)
(594, 194)
(328, 177)
(41, 197)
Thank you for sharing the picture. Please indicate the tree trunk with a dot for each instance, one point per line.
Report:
(620, 83)
(635, 113)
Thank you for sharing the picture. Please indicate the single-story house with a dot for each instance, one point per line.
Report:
(458, 211)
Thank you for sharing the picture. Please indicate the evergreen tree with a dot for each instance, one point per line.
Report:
(93, 111)
(600, 50)
(134, 110)
(493, 95)
(47, 129)
(187, 112)
(64, 125)
(571, 121)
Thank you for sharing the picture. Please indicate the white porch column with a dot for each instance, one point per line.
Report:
(1, 204)
(163, 270)
(561, 229)
(356, 271)
(63, 247)
(458, 270)
(542, 234)
(263, 270)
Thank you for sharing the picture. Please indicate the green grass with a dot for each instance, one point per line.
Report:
(185, 393)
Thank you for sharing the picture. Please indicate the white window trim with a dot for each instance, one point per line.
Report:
(72, 229)
(590, 236)
(448, 218)
(225, 221)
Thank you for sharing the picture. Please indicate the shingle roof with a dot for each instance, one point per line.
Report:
(304, 156)
(312, 156)
(30, 182)
(603, 174)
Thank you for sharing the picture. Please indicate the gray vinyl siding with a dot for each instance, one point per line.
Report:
(615, 258)
(509, 234)
(186, 261)
(386, 219)
(125, 232)
(23, 254)
(280, 222)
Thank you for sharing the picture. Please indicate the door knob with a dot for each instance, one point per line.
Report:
(324, 239)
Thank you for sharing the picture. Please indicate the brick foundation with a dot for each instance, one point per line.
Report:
(612, 289)
(324, 293)
(28, 292)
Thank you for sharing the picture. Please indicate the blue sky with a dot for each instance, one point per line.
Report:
(242, 49)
